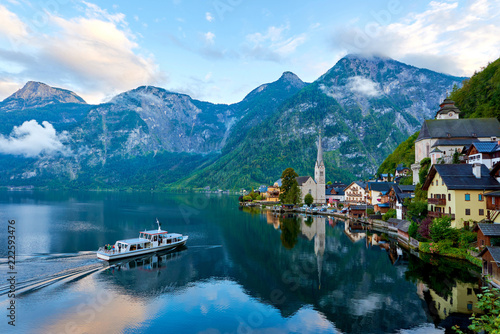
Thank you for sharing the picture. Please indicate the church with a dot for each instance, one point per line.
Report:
(317, 186)
(440, 137)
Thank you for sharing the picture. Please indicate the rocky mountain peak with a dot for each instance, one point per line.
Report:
(291, 78)
(37, 94)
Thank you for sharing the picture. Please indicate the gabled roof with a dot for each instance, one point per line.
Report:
(361, 184)
(380, 186)
(406, 188)
(460, 177)
(491, 230)
(403, 226)
(493, 194)
(303, 179)
(494, 251)
(486, 147)
(459, 128)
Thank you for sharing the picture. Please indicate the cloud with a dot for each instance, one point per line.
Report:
(209, 17)
(364, 86)
(32, 139)
(273, 44)
(449, 37)
(10, 24)
(209, 38)
(95, 55)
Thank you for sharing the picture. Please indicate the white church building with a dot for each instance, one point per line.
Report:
(317, 186)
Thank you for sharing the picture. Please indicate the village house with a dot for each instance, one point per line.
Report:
(397, 196)
(447, 134)
(401, 171)
(334, 194)
(459, 191)
(375, 191)
(486, 153)
(273, 192)
(359, 211)
(402, 228)
(355, 193)
(491, 264)
(487, 234)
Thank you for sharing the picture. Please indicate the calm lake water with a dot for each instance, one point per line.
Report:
(240, 272)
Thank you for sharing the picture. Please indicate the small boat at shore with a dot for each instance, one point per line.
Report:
(148, 242)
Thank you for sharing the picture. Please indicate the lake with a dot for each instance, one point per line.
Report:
(242, 271)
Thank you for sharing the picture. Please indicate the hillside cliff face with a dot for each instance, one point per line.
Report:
(150, 137)
(364, 108)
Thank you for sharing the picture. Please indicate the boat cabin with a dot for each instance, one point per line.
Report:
(160, 237)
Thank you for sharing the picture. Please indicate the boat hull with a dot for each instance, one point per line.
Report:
(109, 256)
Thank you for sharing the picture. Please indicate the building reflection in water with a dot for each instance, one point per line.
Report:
(354, 230)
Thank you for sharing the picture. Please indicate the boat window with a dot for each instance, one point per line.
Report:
(139, 246)
(133, 247)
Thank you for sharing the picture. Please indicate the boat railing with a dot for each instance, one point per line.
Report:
(107, 251)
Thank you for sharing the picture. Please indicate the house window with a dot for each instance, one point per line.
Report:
(469, 291)
(449, 197)
(492, 200)
(469, 306)
(480, 197)
(310, 191)
(481, 212)
(442, 182)
(467, 197)
(467, 212)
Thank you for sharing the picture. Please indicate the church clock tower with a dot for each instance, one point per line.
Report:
(319, 175)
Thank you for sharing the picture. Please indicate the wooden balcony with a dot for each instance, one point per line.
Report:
(437, 201)
(434, 214)
(491, 206)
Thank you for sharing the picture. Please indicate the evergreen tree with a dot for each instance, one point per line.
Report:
(289, 190)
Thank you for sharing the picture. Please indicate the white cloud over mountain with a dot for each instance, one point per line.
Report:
(31, 139)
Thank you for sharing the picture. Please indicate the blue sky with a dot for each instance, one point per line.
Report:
(219, 50)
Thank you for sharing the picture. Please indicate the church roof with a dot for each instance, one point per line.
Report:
(303, 179)
(459, 128)
(455, 142)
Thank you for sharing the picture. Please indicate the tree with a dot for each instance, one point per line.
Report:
(425, 164)
(441, 228)
(391, 213)
(456, 157)
(329, 183)
(308, 199)
(416, 210)
(424, 228)
(413, 229)
(289, 190)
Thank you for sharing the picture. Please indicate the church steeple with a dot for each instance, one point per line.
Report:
(319, 159)
(319, 172)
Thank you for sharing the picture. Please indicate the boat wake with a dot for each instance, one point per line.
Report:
(37, 271)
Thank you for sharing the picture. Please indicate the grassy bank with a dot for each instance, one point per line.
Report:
(440, 248)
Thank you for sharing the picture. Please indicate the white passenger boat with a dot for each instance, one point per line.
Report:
(148, 242)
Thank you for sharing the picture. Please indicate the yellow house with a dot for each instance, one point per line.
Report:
(458, 191)
(273, 193)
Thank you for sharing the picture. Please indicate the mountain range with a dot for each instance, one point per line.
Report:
(152, 138)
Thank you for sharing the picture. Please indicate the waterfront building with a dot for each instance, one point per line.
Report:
(487, 234)
(459, 191)
(448, 133)
(355, 193)
(491, 264)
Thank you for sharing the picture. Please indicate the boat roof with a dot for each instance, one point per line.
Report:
(153, 232)
(134, 241)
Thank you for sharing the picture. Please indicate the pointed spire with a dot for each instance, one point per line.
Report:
(319, 159)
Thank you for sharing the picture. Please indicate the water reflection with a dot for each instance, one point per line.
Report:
(292, 273)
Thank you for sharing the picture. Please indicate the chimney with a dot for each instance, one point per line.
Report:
(476, 170)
